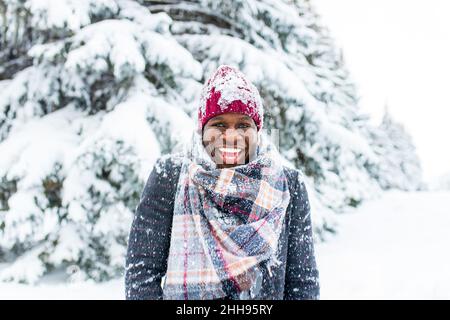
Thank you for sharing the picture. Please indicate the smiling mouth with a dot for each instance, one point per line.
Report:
(230, 154)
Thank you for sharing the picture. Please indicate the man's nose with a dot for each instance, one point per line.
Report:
(233, 137)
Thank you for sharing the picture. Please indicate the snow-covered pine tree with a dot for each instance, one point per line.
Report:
(94, 87)
(92, 92)
(400, 166)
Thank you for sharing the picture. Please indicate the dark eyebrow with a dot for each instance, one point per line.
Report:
(245, 118)
(217, 118)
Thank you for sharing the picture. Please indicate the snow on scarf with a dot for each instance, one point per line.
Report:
(225, 222)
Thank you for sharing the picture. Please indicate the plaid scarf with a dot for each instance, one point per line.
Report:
(225, 222)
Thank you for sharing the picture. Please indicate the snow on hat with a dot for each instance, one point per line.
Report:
(228, 90)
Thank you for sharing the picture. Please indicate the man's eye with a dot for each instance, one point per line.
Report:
(243, 125)
(218, 125)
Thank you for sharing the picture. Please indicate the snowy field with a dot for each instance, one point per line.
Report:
(112, 290)
(395, 247)
(392, 248)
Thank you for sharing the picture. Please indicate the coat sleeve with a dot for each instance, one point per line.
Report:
(302, 275)
(149, 237)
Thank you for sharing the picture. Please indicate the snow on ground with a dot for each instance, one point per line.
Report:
(111, 290)
(395, 247)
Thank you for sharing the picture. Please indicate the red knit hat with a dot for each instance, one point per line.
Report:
(228, 90)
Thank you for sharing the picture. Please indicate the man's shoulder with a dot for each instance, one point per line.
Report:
(168, 165)
(293, 175)
(164, 175)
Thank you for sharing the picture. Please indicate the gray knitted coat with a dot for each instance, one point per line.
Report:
(295, 278)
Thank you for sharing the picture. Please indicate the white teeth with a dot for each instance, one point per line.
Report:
(230, 150)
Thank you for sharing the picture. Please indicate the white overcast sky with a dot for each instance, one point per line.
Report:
(399, 51)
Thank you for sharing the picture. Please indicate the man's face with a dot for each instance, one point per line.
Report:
(230, 139)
